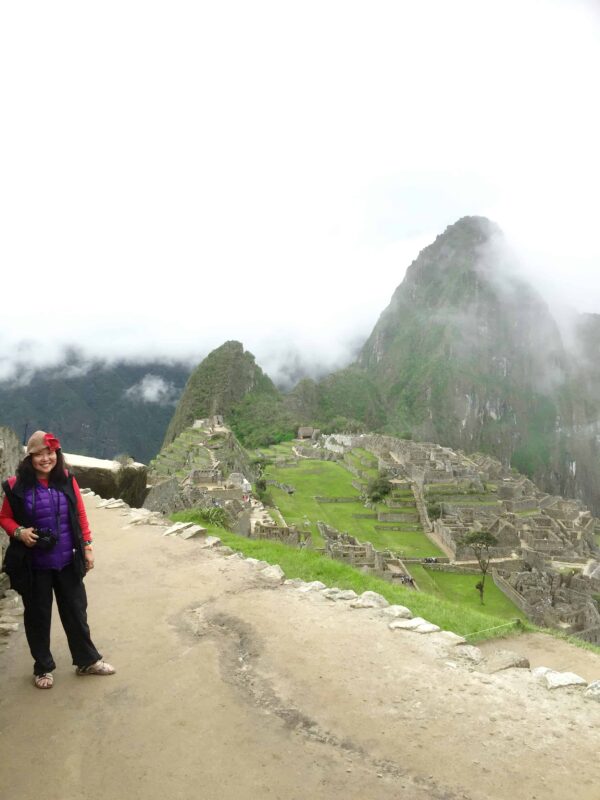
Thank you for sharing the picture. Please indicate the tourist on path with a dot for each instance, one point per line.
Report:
(50, 551)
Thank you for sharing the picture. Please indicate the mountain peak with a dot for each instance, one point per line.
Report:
(222, 380)
(475, 225)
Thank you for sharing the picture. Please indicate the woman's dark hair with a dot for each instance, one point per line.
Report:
(26, 473)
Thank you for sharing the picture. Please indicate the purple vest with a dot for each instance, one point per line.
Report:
(51, 511)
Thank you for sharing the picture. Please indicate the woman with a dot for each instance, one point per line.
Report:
(50, 551)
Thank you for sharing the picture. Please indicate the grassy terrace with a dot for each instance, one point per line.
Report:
(364, 461)
(313, 478)
(461, 589)
(185, 453)
(277, 450)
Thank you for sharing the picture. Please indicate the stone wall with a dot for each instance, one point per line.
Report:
(109, 478)
(280, 533)
(336, 499)
(11, 453)
(242, 524)
(170, 496)
(454, 568)
(516, 598)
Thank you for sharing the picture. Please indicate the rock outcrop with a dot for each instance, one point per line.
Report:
(11, 453)
(125, 480)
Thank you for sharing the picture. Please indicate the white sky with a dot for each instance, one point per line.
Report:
(176, 174)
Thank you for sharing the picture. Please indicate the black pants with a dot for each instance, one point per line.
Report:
(71, 600)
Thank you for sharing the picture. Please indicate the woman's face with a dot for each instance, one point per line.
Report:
(44, 462)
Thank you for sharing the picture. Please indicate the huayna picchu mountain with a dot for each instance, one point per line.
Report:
(467, 354)
(230, 383)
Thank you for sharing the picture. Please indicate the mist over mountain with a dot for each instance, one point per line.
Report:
(467, 351)
(97, 409)
(467, 354)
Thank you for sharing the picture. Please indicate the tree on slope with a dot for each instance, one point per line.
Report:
(480, 543)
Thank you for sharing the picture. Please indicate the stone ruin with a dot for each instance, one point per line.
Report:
(281, 533)
(563, 600)
(209, 423)
(362, 555)
(552, 536)
(203, 467)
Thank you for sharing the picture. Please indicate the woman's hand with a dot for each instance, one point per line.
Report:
(28, 536)
(89, 558)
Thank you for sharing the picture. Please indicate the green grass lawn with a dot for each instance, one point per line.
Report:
(461, 589)
(363, 461)
(275, 450)
(402, 494)
(367, 457)
(313, 478)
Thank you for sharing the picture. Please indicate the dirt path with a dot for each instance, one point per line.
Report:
(229, 688)
(546, 651)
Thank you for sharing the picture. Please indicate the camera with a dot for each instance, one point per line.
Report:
(46, 538)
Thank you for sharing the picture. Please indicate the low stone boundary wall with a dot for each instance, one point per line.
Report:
(337, 499)
(285, 487)
(385, 516)
(516, 598)
(591, 635)
(574, 559)
(521, 505)
(401, 528)
(453, 507)
(454, 568)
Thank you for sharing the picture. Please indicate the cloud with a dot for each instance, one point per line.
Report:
(153, 389)
(268, 170)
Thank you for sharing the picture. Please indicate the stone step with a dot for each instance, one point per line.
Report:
(178, 528)
(189, 533)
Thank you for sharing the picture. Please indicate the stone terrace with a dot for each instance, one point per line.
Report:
(470, 493)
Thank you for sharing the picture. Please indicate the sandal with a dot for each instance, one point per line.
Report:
(43, 681)
(98, 668)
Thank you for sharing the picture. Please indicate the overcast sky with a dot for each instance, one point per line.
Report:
(176, 174)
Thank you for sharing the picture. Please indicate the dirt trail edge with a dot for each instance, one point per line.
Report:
(229, 687)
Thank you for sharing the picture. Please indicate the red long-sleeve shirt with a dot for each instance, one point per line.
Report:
(10, 524)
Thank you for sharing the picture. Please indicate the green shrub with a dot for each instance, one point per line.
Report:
(378, 488)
